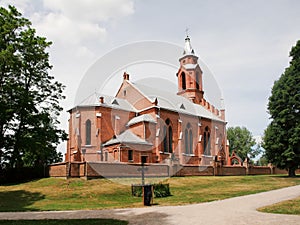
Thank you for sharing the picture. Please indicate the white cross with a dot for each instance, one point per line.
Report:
(186, 31)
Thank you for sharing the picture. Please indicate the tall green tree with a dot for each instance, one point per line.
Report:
(29, 96)
(282, 136)
(242, 142)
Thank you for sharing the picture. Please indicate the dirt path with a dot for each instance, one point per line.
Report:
(239, 210)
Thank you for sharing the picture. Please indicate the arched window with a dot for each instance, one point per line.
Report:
(88, 132)
(206, 141)
(168, 137)
(183, 81)
(165, 139)
(197, 81)
(188, 139)
(190, 142)
(186, 143)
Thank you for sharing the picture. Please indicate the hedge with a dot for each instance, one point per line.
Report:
(160, 190)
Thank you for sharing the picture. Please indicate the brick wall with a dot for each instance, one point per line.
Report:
(58, 170)
(77, 169)
(230, 171)
(259, 170)
(125, 170)
(95, 169)
(191, 170)
(279, 171)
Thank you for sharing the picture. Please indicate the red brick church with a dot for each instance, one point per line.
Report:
(144, 124)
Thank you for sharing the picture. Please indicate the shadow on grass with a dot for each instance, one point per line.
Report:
(13, 201)
(285, 176)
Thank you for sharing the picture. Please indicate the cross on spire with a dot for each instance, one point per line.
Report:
(186, 31)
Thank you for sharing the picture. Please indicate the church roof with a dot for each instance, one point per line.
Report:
(167, 100)
(108, 101)
(127, 137)
(141, 118)
(190, 66)
(174, 102)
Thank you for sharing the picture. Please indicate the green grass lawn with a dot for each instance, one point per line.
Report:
(74, 194)
(64, 222)
(285, 207)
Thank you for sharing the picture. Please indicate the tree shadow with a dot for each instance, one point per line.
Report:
(286, 176)
(13, 201)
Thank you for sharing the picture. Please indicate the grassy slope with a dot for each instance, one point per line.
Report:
(60, 194)
(285, 207)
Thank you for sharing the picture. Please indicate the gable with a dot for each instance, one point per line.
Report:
(134, 96)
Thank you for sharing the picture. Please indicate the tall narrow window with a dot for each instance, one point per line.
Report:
(186, 142)
(88, 132)
(183, 81)
(208, 144)
(188, 139)
(130, 155)
(197, 81)
(165, 140)
(168, 137)
(190, 142)
(206, 141)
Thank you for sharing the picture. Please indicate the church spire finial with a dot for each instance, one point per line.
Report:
(186, 31)
(188, 47)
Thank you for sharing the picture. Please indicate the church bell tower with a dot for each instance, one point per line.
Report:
(190, 75)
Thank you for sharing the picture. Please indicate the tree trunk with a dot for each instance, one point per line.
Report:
(292, 172)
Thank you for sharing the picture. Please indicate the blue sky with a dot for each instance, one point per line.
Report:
(244, 43)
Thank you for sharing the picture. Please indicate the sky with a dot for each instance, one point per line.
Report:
(245, 44)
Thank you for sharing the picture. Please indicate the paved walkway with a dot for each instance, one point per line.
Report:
(239, 210)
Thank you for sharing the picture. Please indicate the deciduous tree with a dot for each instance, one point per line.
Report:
(29, 96)
(242, 142)
(282, 137)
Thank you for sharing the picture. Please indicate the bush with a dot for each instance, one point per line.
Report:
(160, 190)
(136, 190)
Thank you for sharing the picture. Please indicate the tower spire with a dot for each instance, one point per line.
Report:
(188, 47)
(190, 74)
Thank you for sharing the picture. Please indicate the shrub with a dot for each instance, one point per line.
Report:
(136, 190)
(160, 190)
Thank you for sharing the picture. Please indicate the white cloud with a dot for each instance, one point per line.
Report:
(91, 10)
(60, 28)
(79, 23)
(21, 5)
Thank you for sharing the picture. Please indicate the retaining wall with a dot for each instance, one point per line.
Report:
(96, 169)
(126, 170)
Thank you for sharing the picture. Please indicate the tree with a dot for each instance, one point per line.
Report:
(282, 136)
(29, 96)
(262, 161)
(242, 142)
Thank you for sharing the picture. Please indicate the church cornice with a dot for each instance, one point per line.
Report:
(188, 55)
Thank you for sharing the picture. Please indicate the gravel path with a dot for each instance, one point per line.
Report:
(239, 210)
